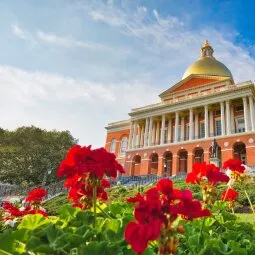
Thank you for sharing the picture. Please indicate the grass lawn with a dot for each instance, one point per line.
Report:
(246, 217)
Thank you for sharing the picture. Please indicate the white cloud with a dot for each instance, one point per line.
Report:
(18, 31)
(67, 42)
(172, 41)
(50, 38)
(55, 101)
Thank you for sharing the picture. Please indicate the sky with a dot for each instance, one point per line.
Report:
(77, 64)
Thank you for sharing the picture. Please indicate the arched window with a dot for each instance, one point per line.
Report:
(113, 145)
(123, 144)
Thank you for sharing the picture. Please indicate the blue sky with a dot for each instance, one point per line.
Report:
(77, 65)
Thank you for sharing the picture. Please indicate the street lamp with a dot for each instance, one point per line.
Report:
(47, 172)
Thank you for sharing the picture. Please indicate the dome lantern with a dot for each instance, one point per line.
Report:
(207, 50)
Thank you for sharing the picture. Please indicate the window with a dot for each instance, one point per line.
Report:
(217, 112)
(202, 130)
(113, 145)
(239, 108)
(123, 144)
(240, 125)
(218, 127)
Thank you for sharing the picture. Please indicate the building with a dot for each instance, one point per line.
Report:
(168, 137)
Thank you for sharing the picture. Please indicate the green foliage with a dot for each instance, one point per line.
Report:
(223, 233)
(27, 152)
(71, 233)
(52, 206)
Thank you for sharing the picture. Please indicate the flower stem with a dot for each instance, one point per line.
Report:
(105, 213)
(201, 230)
(249, 201)
(94, 202)
(226, 193)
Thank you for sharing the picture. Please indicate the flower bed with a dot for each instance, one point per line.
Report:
(163, 220)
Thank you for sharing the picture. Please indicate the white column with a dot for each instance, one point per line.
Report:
(130, 139)
(138, 140)
(150, 132)
(134, 136)
(142, 136)
(182, 127)
(191, 124)
(228, 126)
(245, 111)
(196, 125)
(176, 128)
(211, 124)
(169, 131)
(206, 121)
(146, 132)
(162, 135)
(157, 132)
(232, 117)
(252, 113)
(222, 115)
(153, 133)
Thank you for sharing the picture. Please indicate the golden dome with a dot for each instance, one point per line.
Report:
(207, 64)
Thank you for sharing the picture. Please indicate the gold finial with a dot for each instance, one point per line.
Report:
(206, 43)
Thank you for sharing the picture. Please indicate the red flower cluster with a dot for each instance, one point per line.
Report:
(82, 160)
(156, 210)
(81, 191)
(229, 195)
(84, 169)
(34, 199)
(234, 165)
(36, 195)
(202, 171)
(13, 211)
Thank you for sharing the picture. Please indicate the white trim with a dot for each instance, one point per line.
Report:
(166, 108)
(230, 149)
(195, 141)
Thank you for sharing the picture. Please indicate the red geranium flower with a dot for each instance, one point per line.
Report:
(210, 172)
(81, 191)
(229, 195)
(188, 207)
(197, 174)
(81, 160)
(12, 210)
(165, 186)
(138, 235)
(214, 174)
(234, 165)
(36, 195)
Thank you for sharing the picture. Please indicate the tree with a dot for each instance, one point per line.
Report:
(27, 152)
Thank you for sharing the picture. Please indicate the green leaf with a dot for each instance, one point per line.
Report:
(7, 242)
(32, 222)
(67, 212)
(149, 251)
(36, 244)
(95, 248)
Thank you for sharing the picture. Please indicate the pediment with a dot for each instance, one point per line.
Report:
(191, 82)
